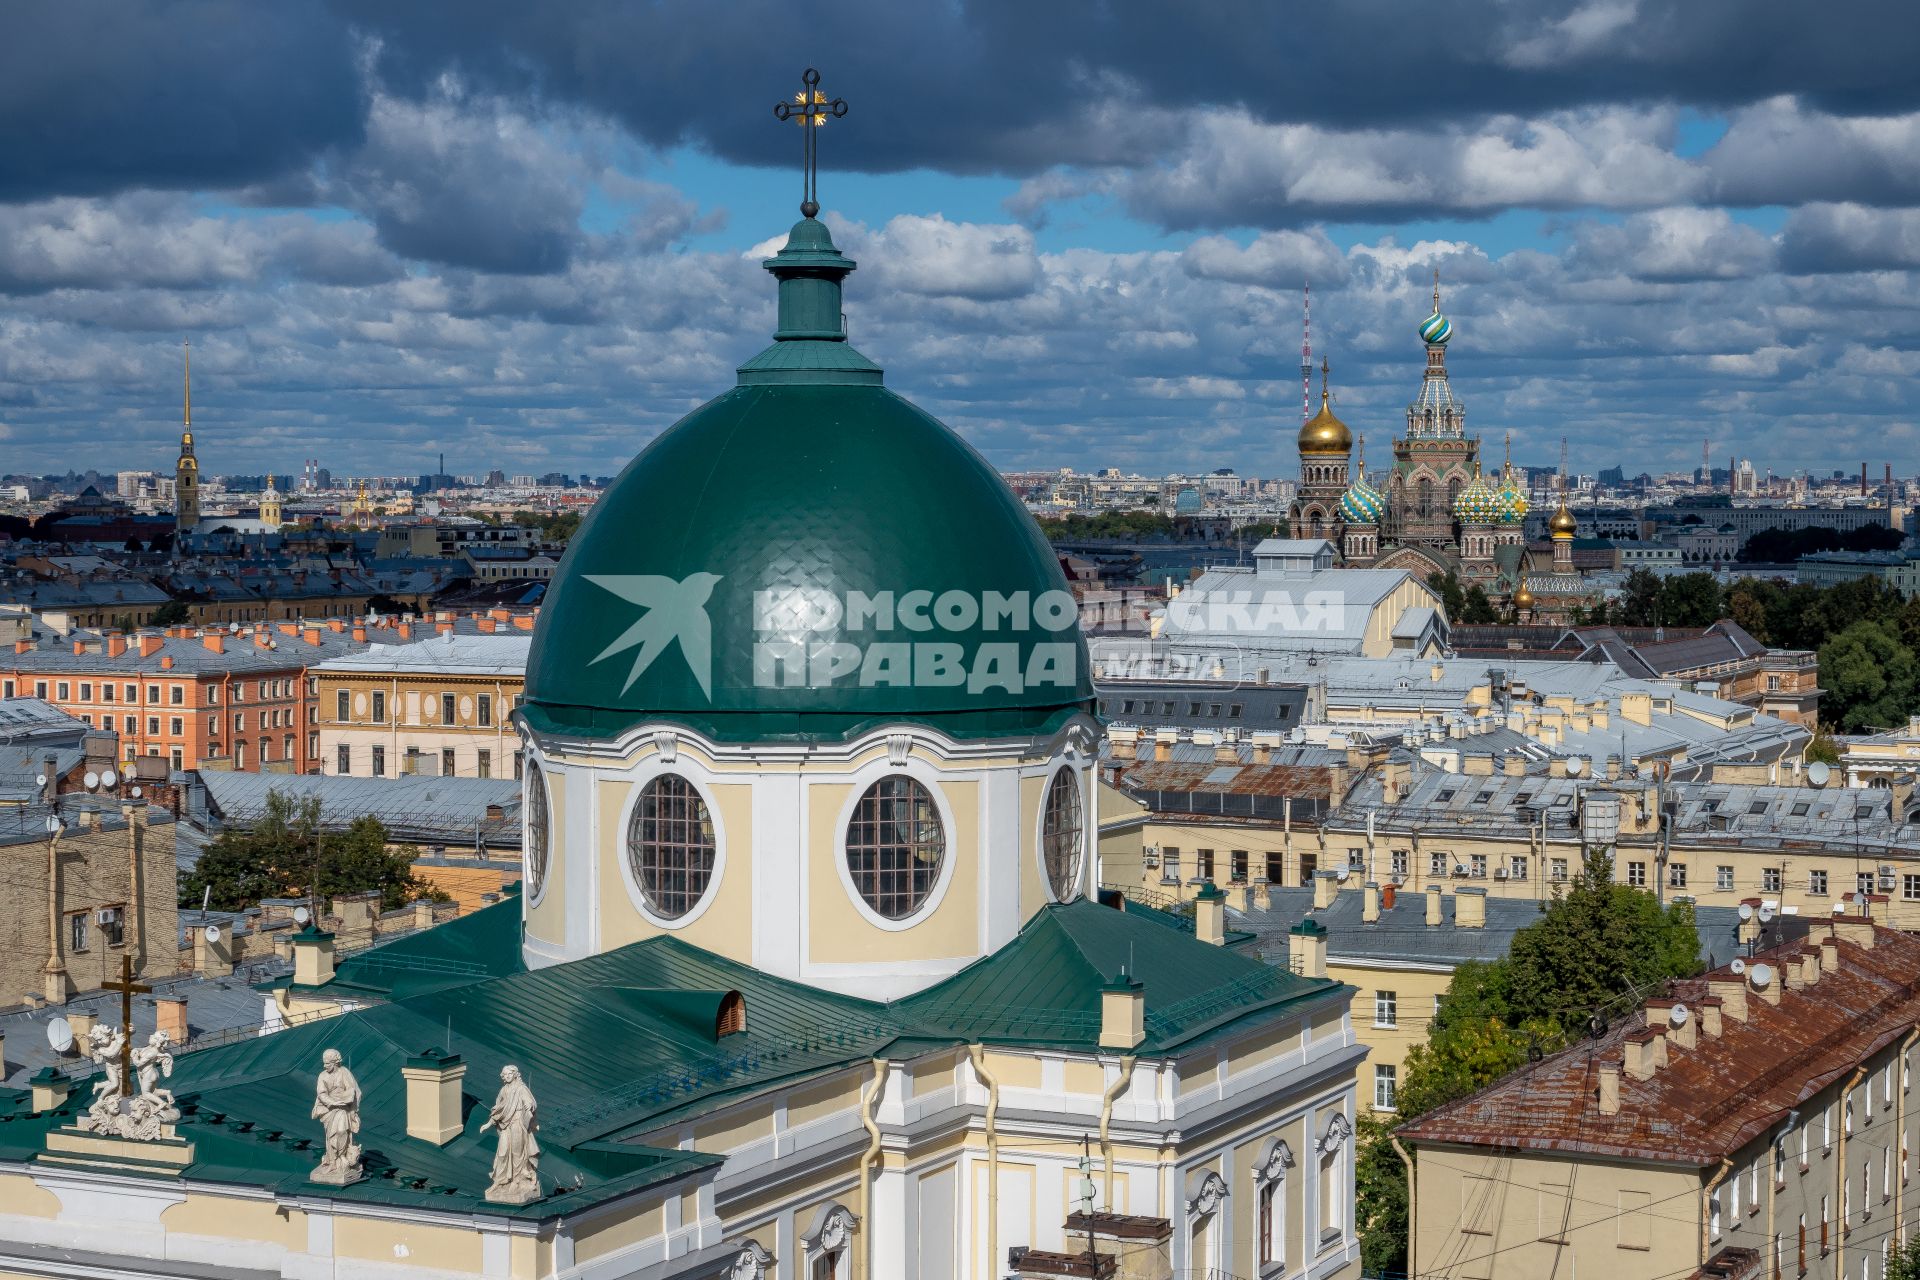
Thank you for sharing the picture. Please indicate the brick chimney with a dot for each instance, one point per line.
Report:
(1609, 1090)
(1436, 913)
(166, 662)
(150, 645)
(1326, 884)
(1646, 1053)
(1710, 1007)
(214, 641)
(1470, 908)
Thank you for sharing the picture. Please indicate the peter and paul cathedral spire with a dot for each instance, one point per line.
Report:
(186, 472)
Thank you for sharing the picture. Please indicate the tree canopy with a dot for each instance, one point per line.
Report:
(287, 854)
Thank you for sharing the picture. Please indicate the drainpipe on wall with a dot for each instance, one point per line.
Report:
(1840, 1174)
(869, 1105)
(978, 1055)
(1706, 1207)
(1107, 1099)
(1413, 1205)
(1900, 1126)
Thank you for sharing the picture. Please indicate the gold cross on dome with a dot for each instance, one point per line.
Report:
(810, 109)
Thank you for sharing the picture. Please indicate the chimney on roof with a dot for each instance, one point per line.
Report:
(1307, 943)
(1470, 908)
(1513, 765)
(523, 622)
(1646, 1052)
(1710, 1017)
(1857, 930)
(166, 662)
(1829, 956)
(312, 957)
(1161, 746)
(213, 641)
(1435, 913)
(1123, 1013)
(1803, 970)
(1731, 991)
(79, 647)
(433, 1096)
(1370, 906)
(311, 635)
(360, 635)
(1326, 884)
(116, 645)
(1226, 753)
(150, 645)
(336, 624)
(1210, 915)
(1121, 745)
(1609, 1090)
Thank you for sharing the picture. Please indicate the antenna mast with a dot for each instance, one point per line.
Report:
(1306, 353)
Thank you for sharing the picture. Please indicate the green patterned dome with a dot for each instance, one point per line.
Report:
(1510, 504)
(1436, 329)
(1477, 503)
(807, 557)
(1362, 503)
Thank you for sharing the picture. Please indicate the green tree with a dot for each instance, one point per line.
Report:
(1453, 600)
(1640, 606)
(1690, 600)
(1475, 608)
(1822, 749)
(1380, 1196)
(1746, 605)
(286, 854)
(1869, 677)
(1904, 1264)
(171, 614)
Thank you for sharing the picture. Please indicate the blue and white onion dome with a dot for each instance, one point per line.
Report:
(1477, 503)
(1510, 503)
(1362, 503)
(1436, 329)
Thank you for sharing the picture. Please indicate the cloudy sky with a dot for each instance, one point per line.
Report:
(528, 235)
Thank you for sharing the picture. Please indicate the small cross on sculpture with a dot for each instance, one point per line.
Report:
(810, 109)
(143, 1115)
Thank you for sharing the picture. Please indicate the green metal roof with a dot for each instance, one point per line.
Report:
(809, 481)
(619, 1044)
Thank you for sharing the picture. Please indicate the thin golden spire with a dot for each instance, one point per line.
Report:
(1436, 291)
(1325, 366)
(187, 385)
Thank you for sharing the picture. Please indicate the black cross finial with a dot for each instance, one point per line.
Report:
(810, 109)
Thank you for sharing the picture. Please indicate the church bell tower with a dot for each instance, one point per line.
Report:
(186, 472)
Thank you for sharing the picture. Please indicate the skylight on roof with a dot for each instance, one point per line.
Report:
(1225, 774)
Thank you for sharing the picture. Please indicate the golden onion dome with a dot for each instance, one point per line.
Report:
(1523, 598)
(1324, 433)
(1562, 523)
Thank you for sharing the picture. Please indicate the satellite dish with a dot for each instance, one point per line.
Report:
(1761, 976)
(233, 628)
(138, 792)
(60, 1035)
(39, 779)
(211, 933)
(54, 825)
(92, 780)
(1746, 911)
(1739, 967)
(1343, 875)
(1766, 914)
(1819, 773)
(1678, 1015)
(1575, 766)
(108, 777)
(301, 915)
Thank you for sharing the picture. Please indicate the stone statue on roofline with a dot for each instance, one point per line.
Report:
(516, 1161)
(336, 1105)
(144, 1115)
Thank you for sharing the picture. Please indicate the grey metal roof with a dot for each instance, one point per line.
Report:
(499, 654)
(1203, 705)
(1402, 934)
(412, 807)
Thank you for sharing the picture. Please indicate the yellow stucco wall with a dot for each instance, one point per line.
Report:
(836, 931)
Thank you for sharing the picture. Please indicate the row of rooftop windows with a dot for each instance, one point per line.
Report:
(171, 694)
(449, 705)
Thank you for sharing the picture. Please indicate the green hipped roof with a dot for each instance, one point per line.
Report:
(480, 944)
(619, 1044)
(807, 477)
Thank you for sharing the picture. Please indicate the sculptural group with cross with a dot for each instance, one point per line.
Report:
(810, 109)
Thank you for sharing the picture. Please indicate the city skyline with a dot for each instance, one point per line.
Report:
(1651, 228)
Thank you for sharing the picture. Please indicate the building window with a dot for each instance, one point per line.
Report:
(1062, 835)
(1237, 866)
(176, 726)
(534, 802)
(895, 846)
(153, 725)
(1383, 1088)
(448, 711)
(153, 694)
(343, 759)
(1276, 867)
(379, 762)
(343, 705)
(1637, 874)
(266, 749)
(1386, 1009)
(86, 691)
(40, 690)
(286, 747)
(1517, 866)
(113, 926)
(1400, 863)
(1437, 864)
(1477, 863)
(132, 693)
(447, 766)
(1309, 863)
(177, 695)
(379, 707)
(670, 846)
(1817, 883)
(62, 691)
(177, 759)
(1559, 866)
(1273, 1222)
(239, 722)
(1723, 877)
(1863, 882)
(77, 939)
(1203, 864)
(1676, 875)
(484, 767)
(484, 705)
(1770, 880)
(519, 764)
(1356, 859)
(213, 695)
(1169, 865)
(1910, 888)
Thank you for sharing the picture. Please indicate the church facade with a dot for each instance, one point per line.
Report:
(809, 976)
(1435, 510)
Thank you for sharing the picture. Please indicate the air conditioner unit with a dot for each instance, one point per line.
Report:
(1499, 873)
(1460, 869)
(106, 915)
(1887, 882)
(1398, 880)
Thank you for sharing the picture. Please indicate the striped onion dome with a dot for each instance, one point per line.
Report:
(1510, 504)
(1362, 503)
(1477, 503)
(1436, 329)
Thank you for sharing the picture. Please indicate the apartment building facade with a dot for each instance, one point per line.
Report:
(439, 706)
(1757, 1121)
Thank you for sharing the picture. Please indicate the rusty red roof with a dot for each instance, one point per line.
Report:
(1708, 1101)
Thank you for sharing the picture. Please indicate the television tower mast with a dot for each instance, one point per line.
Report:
(1306, 353)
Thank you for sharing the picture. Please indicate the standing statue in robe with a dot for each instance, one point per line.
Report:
(516, 1161)
(336, 1105)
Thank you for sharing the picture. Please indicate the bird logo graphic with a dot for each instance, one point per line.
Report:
(673, 610)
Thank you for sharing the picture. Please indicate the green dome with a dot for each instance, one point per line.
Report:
(808, 556)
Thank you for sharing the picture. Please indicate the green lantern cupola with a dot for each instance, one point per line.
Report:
(810, 343)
